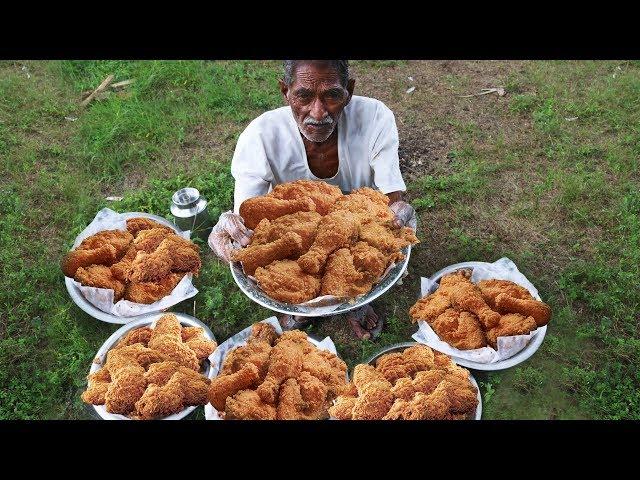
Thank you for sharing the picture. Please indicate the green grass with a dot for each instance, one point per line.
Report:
(558, 197)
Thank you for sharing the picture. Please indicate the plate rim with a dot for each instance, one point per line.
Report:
(338, 311)
(144, 320)
(510, 362)
(403, 345)
(93, 311)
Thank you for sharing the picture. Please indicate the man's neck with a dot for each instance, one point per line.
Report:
(322, 157)
(315, 147)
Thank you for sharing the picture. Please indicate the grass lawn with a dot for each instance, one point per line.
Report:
(547, 175)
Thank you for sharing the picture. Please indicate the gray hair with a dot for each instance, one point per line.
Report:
(341, 66)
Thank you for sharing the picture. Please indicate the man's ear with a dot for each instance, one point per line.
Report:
(284, 89)
(350, 84)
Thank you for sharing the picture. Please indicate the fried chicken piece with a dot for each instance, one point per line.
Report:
(304, 224)
(159, 373)
(299, 337)
(492, 288)
(290, 402)
(198, 342)
(137, 335)
(151, 292)
(341, 278)
(161, 400)
(255, 209)
(247, 405)
(540, 311)
(386, 239)
(285, 362)
(342, 408)
(72, 261)
(122, 268)
(433, 406)
(394, 366)
(136, 354)
(462, 395)
(314, 393)
(98, 384)
(424, 381)
(374, 401)
(224, 386)
(466, 296)
(173, 254)
(262, 331)
(283, 280)
(100, 276)
(364, 374)
(252, 257)
(135, 225)
(126, 388)
(461, 330)
(369, 260)
(322, 194)
(327, 368)
(366, 204)
(430, 307)
(510, 324)
(336, 230)
(118, 239)
(254, 352)
(167, 339)
(149, 240)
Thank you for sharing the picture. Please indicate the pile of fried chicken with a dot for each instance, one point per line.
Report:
(141, 264)
(309, 240)
(469, 316)
(153, 372)
(277, 377)
(415, 384)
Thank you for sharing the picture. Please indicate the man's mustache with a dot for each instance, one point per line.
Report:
(312, 121)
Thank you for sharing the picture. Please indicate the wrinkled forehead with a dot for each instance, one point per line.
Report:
(315, 75)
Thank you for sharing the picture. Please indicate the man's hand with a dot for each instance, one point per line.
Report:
(229, 229)
(405, 215)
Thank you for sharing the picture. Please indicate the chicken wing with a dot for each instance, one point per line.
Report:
(173, 254)
(322, 194)
(374, 402)
(466, 296)
(386, 239)
(122, 268)
(283, 280)
(342, 408)
(369, 260)
(255, 209)
(149, 240)
(137, 335)
(252, 257)
(100, 276)
(335, 230)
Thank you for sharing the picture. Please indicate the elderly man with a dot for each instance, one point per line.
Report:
(324, 133)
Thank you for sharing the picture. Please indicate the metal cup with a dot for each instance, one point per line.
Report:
(190, 210)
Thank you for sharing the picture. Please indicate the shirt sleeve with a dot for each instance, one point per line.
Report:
(250, 168)
(385, 162)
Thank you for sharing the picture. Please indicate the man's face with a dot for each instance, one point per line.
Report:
(317, 99)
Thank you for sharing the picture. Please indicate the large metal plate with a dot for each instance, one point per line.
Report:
(185, 320)
(401, 346)
(519, 357)
(255, 293)
(87, 306)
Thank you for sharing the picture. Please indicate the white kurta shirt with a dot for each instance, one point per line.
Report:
(270, 151)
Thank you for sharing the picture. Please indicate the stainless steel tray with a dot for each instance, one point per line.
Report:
(87, 306)
(519, 357)
(401, 346)
(149, 319)
(255, 293)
